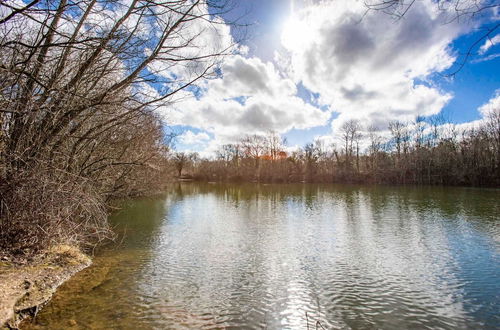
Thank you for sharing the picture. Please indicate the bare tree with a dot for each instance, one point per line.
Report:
(350, 132)
(396, 128)
(229, 153)
(182, 159)
(493, 131)
(455, 8)
(374, 148)
(275, 144)
(254, 146)
(59, 71)
(79, 85)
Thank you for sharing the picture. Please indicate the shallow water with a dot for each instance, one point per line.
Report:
(292, 257)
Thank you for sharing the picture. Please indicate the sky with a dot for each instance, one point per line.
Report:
(304, 67)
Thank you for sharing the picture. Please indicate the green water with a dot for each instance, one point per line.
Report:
(293, 257)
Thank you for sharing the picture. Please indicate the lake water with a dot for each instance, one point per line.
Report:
(293, 257)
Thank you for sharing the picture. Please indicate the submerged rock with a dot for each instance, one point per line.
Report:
(25, 289)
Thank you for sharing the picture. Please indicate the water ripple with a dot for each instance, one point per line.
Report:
(210, 257)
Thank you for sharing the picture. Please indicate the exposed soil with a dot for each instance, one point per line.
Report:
(25, 289)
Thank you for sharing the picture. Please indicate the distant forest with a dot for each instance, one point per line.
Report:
(421, 152)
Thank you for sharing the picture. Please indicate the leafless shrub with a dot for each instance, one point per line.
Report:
(43, 207)
(79, 86)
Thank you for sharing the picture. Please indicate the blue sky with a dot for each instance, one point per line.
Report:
(312, 65)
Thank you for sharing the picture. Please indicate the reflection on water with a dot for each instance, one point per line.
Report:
(261, 256)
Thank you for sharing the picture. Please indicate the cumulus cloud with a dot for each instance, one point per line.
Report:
(250, 77)
(365, 66)
(190, 138)
(371, 67)
(250, 97)
(195, 50)
(444, 130)
(492, 105)
(489, 112)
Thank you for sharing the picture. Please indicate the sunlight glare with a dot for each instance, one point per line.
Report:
(296, 33)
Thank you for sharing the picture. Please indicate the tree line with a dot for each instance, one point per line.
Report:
(426, 151)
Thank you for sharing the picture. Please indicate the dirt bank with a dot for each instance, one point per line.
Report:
(26, 289)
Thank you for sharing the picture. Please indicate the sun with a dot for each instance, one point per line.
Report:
(296, 32)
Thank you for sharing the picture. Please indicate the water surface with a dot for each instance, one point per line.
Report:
(293, 256)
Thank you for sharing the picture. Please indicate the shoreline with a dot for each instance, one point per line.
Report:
(25, 289)
(347, 183)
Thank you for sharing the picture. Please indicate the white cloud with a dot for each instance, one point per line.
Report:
(251, 97)
(489, 43)
(250, 77)
(371, 67)
(189, 137)
(368, 67)
(485, 58)
(195, 49)
(492, 105)
(444, 130)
